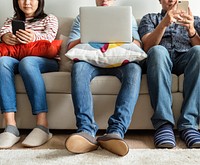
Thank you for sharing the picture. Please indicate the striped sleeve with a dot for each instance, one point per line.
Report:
(46, 29)
(6, 27)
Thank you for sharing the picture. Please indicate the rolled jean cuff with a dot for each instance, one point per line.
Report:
(40, 111)
(8, 110)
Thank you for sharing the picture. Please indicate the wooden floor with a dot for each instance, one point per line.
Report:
(142, 139)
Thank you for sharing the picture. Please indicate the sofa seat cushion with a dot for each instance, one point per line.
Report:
(60, 82)
(111, 85)
(55, 82)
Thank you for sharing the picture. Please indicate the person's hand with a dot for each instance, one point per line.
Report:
(170, 16)
(187, 20)
(9, 39)
(25, 36)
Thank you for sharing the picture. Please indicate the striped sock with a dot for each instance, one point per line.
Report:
(191, 137)
(164, 137)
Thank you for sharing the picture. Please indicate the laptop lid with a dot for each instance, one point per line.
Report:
(106, 24)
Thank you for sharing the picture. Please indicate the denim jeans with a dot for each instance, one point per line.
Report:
(30, 69)
(160, 65)
(82, 74)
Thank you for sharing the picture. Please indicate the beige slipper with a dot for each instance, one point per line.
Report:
(7, 140)
(81, 143)
(114, 144)
(37, 137)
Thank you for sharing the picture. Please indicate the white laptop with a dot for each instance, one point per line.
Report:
(106, 24)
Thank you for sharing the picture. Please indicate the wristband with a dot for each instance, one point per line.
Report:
(193, 35)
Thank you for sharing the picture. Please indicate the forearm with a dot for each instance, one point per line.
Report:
(138, 43)
(6, 28)
(153, 38)
(49, 31)
(194, 37)
(73, 43)
(45, 36)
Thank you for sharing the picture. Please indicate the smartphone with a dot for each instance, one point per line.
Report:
(183, 5)
(16, 25)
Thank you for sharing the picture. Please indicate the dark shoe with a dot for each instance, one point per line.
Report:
(81, 143)
(164, 137)
(113, 143)
(191, 137)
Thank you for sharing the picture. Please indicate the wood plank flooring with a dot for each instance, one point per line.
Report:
(136, 139)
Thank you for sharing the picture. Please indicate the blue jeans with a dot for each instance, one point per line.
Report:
(82, 74)
(30, 69)
(160, 65)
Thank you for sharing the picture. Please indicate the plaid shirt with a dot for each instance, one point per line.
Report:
(175, 38)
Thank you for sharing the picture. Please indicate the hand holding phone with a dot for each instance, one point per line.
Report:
(16, 25)
(182, 7)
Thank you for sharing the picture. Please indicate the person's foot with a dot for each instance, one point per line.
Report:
(113, 143)
(81, 143)
(164, 137)
(7, 140)
(37, 137)
(191, 137)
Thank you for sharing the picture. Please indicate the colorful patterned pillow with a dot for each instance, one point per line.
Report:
(106, 55)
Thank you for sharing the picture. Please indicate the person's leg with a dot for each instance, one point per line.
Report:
(31, 69)
(84, 140)
(130, 77)
(188, 123)
(159, 67)
(8, 69)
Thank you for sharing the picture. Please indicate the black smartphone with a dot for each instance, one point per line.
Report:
(16, 25)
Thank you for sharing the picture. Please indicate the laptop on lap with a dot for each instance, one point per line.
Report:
(106, 24)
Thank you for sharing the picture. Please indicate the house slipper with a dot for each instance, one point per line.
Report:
(81, 143)
(164, 137)
(7, 140)
(37, 137)
(113, 143)
(191, 137)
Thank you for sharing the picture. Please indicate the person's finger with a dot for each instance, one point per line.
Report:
(173, 7)
(189, 12)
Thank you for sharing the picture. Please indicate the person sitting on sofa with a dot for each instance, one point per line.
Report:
(82, 73)
(39, 26)
(173, 48)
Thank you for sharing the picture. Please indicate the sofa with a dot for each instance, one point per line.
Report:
(104, 90)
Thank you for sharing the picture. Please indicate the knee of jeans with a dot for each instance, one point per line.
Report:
(133, 69)
(5, 62)
(8, 64)
(157, 55)
(195, 52)
(158, 51)
(80, 68)
(25, 64)
(132, 74)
